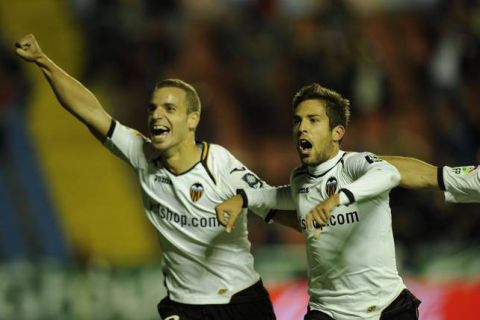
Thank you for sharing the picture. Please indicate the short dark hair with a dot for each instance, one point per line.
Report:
(337, 107)
(191, 95)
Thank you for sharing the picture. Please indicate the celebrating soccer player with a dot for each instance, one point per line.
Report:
(344, 196)
(209, 274)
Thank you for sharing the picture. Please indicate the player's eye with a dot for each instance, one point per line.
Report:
(151, 107)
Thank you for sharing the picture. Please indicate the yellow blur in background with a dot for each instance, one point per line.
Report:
(95, 194)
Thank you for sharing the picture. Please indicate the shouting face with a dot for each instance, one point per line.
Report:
(316, 142)
(169, 122)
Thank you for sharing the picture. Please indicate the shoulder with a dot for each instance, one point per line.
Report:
(218, 150)
(352, 157)
(218, 156)
(355, 155)
(221, 161)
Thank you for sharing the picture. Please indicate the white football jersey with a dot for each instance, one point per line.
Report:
(461, 184)
(352, 272)
(203, 263)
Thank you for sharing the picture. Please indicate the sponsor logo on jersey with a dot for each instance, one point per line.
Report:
(331, 186)
(252, 181)
(339, 219)
(196, 191)
(162, 179)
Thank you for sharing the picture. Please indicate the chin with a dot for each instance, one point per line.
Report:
(306, 161)
(160, 146)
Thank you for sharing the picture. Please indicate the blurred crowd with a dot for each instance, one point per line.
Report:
(410, 68)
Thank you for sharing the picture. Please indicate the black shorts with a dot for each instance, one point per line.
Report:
(404, 307)
(252, 303)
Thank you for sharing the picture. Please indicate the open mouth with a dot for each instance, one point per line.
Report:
(159, 130)
(304, 145)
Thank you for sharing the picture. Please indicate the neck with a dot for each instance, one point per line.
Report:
(328, 154)
(333, 151)
(181, 157)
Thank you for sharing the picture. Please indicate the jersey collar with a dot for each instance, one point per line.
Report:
(324, 167)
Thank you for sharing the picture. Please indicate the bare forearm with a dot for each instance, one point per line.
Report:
(416, 174)
(75, 97)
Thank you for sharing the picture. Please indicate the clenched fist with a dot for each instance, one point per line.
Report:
(28, 48)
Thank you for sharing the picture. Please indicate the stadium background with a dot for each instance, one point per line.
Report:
(74, 243)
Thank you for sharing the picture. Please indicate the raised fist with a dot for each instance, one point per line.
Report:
(28, 48)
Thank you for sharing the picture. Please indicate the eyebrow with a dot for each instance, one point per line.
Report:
(308, 115)
(166, 104)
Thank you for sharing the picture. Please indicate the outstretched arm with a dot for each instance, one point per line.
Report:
(416, 174)
(278, 198)
(71, 94)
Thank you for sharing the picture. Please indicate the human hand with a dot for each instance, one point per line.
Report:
(228, 212)
(321, 213)
(28, 48)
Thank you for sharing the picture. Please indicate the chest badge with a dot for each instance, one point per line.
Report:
(331, 186)
(196, 191)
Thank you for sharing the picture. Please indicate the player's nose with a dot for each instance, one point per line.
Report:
(158, 113)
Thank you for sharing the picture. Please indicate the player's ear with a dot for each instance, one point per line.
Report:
(193, 118)
(337, 133)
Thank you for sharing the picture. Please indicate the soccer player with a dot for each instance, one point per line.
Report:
(344, 196)
(209, 274)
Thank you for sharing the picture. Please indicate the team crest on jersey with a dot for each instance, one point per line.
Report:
(331, 186)
(196, 191)
(252, 180)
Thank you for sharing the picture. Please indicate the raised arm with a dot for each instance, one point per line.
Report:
(416, 174)
(71, 94)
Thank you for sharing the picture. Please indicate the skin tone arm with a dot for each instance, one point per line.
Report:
(416, 174)
(71, 94)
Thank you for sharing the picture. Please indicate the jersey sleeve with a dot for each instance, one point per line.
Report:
(460, 184)
(242, 180)
(371, 176)
(277, 198)
(127, 144)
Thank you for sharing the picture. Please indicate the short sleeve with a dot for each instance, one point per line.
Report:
(127, 144)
